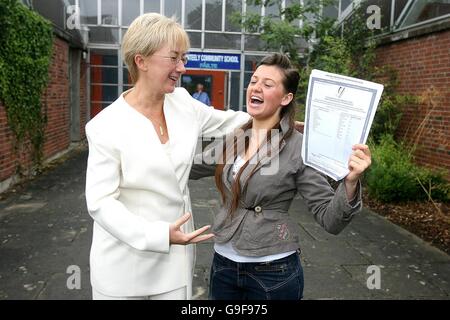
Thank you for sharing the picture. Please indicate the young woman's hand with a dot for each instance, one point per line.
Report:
(176, 236)
(359, 161)
(299, 126)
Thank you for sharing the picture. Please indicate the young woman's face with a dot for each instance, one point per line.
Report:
(265, 93)
(164, 68)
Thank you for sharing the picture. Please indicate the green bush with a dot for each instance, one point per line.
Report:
(393, 176)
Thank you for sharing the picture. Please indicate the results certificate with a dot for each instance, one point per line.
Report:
(338, 114)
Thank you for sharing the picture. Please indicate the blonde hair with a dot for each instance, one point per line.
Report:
(147, 34)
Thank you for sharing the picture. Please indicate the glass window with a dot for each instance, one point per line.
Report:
(172, 8)
(130, 11)
(250, 66)
(88, 11)
(104, 93)
(104, 75)
(253, 9)
(234, 91)
(232, 6)
(213, 18)
(193, 12)
(425, 10)
(196, 39)
(103, 35)
(126, 77)
(253, 43)
(110, 11)
(222, 41)
(251, 62)
(345, 4)
(123, 30)
(152, 6)
(399, 6)
(104, 57)
(272, 10)
(331, 11)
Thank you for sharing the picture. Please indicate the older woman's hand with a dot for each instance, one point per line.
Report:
(176, 236)
(359, 161)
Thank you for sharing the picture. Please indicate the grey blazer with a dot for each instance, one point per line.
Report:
(261, 225)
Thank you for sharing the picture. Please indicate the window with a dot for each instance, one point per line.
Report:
(151, 6)
(231, 8)
(172, 8)
(103, 75)
(196, 39)
(103, 57)
(103, 35)
(103, 78)
(421, 11)
(193, 14)
(109, 11)
(88, 12)
(345, 4)
(253, 43)
(130, 11)
(272, 10)
(222, 41)
(234, 90)
(213, 18)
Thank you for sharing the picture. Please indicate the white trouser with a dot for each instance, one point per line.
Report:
(177, 294)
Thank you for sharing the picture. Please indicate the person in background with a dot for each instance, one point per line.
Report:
(257, 245)
(141, 149)
(201, 95)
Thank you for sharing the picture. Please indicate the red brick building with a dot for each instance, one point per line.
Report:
(421, 58)
(64, 99)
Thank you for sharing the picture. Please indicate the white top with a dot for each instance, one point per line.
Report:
(226, 249)
(166, 147)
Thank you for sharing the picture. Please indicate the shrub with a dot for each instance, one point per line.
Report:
(393, 176)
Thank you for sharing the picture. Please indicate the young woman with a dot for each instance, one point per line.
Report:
(258, 174)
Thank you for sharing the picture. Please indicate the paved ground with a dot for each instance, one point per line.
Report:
(45, 229)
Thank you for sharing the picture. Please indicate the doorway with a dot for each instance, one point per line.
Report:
(214, 83)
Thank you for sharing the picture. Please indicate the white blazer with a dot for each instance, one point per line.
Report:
(134, 190)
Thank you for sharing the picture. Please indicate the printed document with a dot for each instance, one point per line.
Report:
(338, 114)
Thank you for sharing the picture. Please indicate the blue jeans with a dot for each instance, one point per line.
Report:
(280, 279)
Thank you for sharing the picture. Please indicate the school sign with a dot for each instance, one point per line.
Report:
(214, 61)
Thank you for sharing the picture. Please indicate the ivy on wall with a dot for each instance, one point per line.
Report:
(25, 51)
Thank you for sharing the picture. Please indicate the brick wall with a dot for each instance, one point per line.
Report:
(55, 100)
(6, 153)
(423, 66)
(83, 97)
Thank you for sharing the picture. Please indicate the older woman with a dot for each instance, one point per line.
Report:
(141, 149)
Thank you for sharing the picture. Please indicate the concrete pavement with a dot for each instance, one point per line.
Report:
(45, 234)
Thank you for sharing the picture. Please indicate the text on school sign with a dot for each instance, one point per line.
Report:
(207, 60)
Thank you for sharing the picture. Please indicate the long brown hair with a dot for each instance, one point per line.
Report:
(290, 83)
